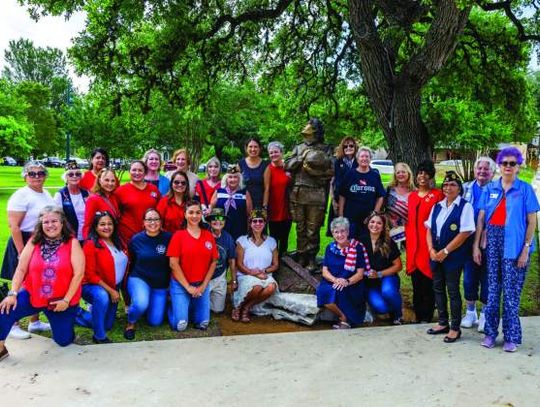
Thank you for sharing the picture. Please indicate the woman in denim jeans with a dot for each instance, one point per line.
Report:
(106, 262)
(149, 274)
(193, 257)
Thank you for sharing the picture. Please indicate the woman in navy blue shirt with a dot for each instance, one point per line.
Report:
(149, 274)
(360, 193)
(252, 168)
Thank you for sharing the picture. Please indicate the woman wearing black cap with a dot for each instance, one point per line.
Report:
(420, 203)
(450, 223)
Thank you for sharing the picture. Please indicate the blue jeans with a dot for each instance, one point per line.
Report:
(145, 299)
(103, 313)
(385, 298)
(185, 306)
(474, 277)
(61, 322)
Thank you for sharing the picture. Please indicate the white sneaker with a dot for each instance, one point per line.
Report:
(17, 332)
(481, 322)
(469, 319)
(39, 326)
(368, 319)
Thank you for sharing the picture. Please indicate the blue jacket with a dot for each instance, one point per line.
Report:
(520, 201)
(68, 208)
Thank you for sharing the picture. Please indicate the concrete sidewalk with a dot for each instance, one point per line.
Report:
(362, 367)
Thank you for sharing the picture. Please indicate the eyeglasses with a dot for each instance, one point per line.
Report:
(152, 220)
(348, 146)
(74, 174)
(257, 220)
(218, 217)
(182, 183)
(36, 174)
(508, 163)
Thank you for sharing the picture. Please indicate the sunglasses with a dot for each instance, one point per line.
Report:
(152, 220)
(257, 220)
(176, 182)
(36, 174)
(349, 146)
(218, 217)
(508, 163)
(74, 174)
(103, 213)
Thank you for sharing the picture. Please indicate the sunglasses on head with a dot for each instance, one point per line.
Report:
(508, 163)
(36, 174)
(178, 182)
(74, 174)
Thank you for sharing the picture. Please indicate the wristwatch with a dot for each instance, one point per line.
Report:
(12, 293)
(445, 251)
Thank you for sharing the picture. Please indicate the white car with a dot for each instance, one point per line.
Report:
(383, 166)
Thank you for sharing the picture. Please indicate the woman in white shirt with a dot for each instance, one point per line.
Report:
(23, 210)
(449, 225)
(257, 258)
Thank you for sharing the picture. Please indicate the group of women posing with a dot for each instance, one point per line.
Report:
(145, 239)
(484, 227)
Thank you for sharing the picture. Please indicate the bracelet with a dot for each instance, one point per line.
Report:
(66, 301)
(379, 274)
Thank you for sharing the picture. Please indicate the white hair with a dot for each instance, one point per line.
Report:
(484, 159)
(362, 149)
(226, 176)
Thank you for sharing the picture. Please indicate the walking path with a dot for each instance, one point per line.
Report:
(398, 366)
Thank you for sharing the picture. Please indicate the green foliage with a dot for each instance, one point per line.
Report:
(16, 131)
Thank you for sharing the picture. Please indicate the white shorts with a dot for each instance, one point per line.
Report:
(218, 292)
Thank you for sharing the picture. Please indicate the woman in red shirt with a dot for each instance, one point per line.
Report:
(99, 159)
(102, 199)
(193, 256)
(204, 190)
(134, 198)
(419, 207)
(48, 278)
(276, 197)
(106, 263)
(171, 208)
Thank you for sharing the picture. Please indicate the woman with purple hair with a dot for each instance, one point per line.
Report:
(508, 209)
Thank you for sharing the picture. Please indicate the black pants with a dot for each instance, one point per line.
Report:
(280, 231)
(423, 297)
(443, 281)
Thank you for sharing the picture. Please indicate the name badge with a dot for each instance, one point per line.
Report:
(493, 196)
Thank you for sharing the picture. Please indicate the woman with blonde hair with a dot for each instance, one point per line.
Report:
(397, 198)
(182, 160)
(152, 159)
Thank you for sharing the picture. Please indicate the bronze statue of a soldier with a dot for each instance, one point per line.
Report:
(311, 169)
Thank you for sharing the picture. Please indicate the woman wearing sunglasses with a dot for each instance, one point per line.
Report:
(72, 198)
(256, 260)
(508, 209)
(23, 210)
(172, 207)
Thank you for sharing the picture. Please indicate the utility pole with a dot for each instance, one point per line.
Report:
(69, 102)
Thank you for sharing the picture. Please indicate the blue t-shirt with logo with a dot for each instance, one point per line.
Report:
(227, 250)
(361, 191)
(148, 259)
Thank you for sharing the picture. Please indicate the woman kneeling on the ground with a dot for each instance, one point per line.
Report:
(192, 256)
(48, 278)
(382, 285)
(256, 259)
(341, 289)
(106, 263)
(149, 274)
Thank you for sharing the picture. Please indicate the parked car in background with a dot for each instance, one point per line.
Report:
(9, 161)
(383, 166)
(81, 162)
(53, 162)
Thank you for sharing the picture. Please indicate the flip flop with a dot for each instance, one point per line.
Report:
(342, 325)
(235, 315)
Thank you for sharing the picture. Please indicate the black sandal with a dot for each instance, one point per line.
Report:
(129, 334)
(444, 330)
(447, 339)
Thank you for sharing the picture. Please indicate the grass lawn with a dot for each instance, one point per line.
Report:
(10, 180)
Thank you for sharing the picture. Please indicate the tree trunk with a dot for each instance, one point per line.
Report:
(395, 96)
